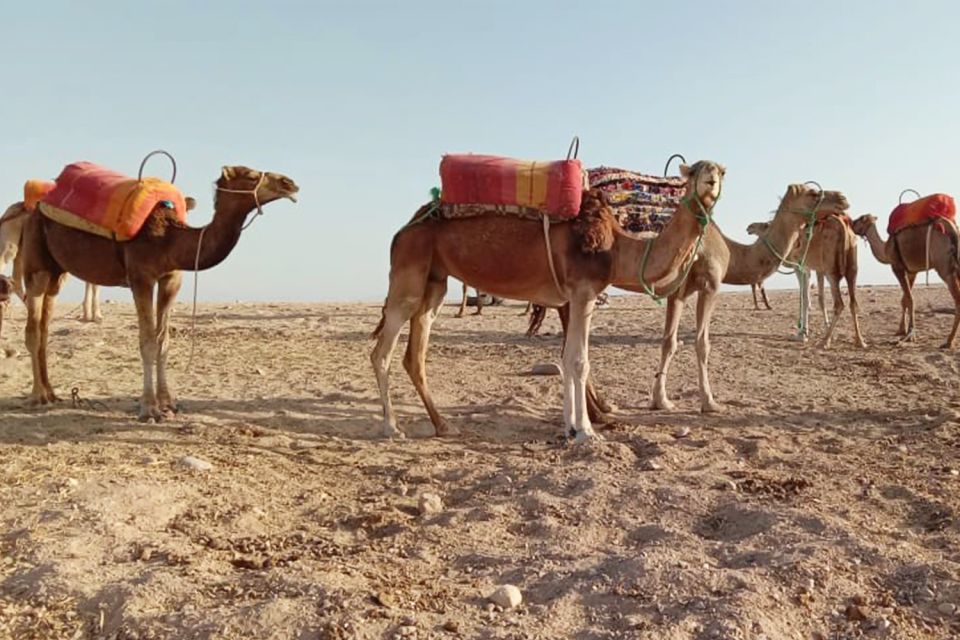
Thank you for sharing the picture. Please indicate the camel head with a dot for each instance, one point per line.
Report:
(804, 200)
(861, 226)
(704, 179)
(268, 186)
(758, 228)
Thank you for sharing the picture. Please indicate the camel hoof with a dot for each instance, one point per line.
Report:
(446, 431)
(391, 432)
(946, 345)
(862, 344)
(711, 407)
(584, 436)
(662, 404)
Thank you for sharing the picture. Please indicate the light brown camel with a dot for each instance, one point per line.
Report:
(908, 254)
(507, 257)
(463, 303)
(724, 261)
(157, 255)
(759, 229)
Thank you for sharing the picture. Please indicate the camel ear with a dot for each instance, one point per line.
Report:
(227, 173)
(686, 170)
(190, 202)
(723, 170)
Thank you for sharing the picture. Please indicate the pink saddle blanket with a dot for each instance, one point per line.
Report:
(938, 205)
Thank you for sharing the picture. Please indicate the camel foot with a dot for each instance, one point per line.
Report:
(711, 406)
(584, 436)
(947, 345)
(444, 430)
(392, 432)
(151, 413)
(168, 404)
(824, 344)
(909, 338)
(459, 315)
(41, 398)
(862, 344)
(477, 313)
(799, 337)
(662, 404)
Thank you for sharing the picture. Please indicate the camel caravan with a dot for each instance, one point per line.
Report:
(550, 233)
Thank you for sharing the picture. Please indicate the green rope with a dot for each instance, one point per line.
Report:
(429, 212)
(704, 218)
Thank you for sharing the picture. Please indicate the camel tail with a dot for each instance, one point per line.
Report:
(537, 316)
(383, 318)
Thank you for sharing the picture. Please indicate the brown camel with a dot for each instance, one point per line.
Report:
(156, 256)
(11, 228)
(463, 303)
(759, 229)
(912, 250)
(500, 255)
(724, 261)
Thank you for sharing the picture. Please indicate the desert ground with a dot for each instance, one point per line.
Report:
(821, 504)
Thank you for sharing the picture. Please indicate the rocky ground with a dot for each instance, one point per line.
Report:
(821, 504)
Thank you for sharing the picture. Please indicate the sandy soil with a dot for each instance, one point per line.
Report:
(821, 504)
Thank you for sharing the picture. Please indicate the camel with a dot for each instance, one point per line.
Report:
(724, 261)
(913, 250)
(6, 290)
(11, 227)
(500, 255)
(759, 229)
(156, 256)
(463, 303)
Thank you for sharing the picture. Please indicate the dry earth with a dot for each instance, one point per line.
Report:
(823, 503)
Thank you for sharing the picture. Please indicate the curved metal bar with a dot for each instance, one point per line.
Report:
(913, 191)
(574, 149)
(150, 155)
(666, 167)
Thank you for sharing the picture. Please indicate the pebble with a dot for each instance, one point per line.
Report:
(681, 433)
(855, 613)
(946, 608)
(195, 464)
(429, 503)
(546, 369)
(954, 472)
(9, 353)
(71, 482)
(652, 465)
(451, 626)
(149, 460)
(506, 596)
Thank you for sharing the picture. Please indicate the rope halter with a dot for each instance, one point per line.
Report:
(810, 215)
(255, 192)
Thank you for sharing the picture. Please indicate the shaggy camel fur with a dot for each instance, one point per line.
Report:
(162, 249)
(500, 255)
(11, 228)
(913, 250)
(724, 261)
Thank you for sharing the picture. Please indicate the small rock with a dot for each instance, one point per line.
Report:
(384, 600)
(9, 353)
(430, 503)
(408, 621)
(407, 631)
(881, 623)
(681, 433)
(947, 608)
(258, 371)
(546, 369)
(855, 613)
(71, 482)
(149, 460)
(506, 596)
(451, 626)
(652, 465)
(954, 472)
(195, 464)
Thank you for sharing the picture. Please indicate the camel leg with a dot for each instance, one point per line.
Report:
(17, 277)
(576, 367)
(415, 359)
(953, 285)
(527, 309)
(143, 300)
(837, 310)
(463, 303)
(855, 308)
(479, 311)
(597, 407)
(763, 294)
(906, 280)
(167, 289)
(706, 301)
(668, 348)
(53, 289)
(91, 303)
(36, 291)
(753, 290)
(822, 300)
(803, 328)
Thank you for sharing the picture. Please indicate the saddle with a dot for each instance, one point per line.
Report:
(98, 200)
(923, 211)
(641, 203)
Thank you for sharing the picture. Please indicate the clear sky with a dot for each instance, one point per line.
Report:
(357, 101)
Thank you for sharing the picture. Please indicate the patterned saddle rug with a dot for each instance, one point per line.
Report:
(641, 203)
(926, 209)
(98, 200)
(476, 182)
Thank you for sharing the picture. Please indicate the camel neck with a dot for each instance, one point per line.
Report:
(877, 246)
(219, 237)
(666, 254)
(750, 263)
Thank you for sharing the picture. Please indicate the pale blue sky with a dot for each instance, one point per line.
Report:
(357, 101)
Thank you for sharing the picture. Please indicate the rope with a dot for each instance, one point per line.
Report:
(553, 269)
(926, 272)
(92, 405)
(704, 218)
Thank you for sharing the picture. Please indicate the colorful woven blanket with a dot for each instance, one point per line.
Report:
(938, 205)
(554, 187)
(641, 203)
(98, 200)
